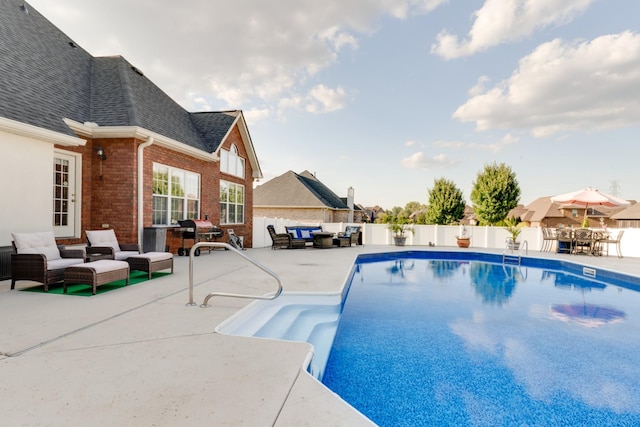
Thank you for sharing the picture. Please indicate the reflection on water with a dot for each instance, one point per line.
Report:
(443, 269)
(588, 315)
(398, 268)
(495, 283)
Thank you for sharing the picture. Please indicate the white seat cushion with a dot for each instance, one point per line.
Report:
(154, 256)
(37, 243)
(59, 263)
(122, 255)
(103, 238)
(104, 265)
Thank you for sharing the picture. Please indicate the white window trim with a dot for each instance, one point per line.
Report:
(77, 206)
(169, 197)
(224, 221)
(231, 163)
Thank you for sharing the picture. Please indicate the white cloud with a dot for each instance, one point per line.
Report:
(468, 146)
(254, 115)
(561, 87)
(500, 21)
(420, 161)
(322, 99)
(231, 54)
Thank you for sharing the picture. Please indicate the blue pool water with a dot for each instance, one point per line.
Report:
(457, 342)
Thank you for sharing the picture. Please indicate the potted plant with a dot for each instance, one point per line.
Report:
(514, 228)
(399, 231)
(463, 239)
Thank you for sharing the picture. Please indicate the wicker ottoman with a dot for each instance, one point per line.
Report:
(96, 273)
(151, 262)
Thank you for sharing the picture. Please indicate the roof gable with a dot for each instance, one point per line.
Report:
(322, 192)
(213, 127)
(296, 190)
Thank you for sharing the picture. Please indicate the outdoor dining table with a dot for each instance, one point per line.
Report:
(580, 241)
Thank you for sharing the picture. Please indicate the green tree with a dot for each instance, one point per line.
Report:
(495, 192)
(411, 208)
(446, 204)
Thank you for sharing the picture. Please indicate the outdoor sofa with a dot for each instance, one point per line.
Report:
(304, 232)
(37, 257)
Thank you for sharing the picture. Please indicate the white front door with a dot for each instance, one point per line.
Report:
(65, 190)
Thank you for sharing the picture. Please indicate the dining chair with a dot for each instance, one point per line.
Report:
(614, 241)
(564, 240)
(548, 238)
(583, 241)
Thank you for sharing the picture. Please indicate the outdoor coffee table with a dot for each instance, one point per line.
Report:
(151, 262)
(96, 273)
(322, 239)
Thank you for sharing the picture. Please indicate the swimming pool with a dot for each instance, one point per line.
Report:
(485, 344)
(429, 338)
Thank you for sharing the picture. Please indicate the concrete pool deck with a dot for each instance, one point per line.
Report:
(140, 356)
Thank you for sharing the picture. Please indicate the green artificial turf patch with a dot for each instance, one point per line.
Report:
(86, 290)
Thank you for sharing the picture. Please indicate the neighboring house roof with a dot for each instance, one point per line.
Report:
(47, 77)
(543, 207)
(631, 212)
(296, 190)
(540, 209)
(356, 207)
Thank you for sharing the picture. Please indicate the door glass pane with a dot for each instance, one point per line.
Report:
(60, 192)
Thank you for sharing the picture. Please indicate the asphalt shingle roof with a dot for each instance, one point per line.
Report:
(47, 77)
(44, 77)
(292, 189)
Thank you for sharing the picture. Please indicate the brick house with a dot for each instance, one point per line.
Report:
(90, 143)
(542, 212)
(302, 197)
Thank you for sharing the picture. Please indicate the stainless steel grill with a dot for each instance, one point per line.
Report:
(198, 230)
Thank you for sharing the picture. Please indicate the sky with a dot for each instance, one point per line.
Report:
(387, 96)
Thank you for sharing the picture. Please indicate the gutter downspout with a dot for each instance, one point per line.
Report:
(141, 148)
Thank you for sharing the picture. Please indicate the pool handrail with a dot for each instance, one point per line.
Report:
(192, 253)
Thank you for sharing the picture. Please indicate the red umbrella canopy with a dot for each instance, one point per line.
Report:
(589, 196)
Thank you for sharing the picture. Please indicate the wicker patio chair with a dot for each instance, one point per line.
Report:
(353, 232)
(284, 240)
(105, 242)
(38, 258)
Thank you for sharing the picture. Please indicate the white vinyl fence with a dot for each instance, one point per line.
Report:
(438, 235)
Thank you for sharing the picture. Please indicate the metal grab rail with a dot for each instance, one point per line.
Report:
(222, 294)
(524, 244)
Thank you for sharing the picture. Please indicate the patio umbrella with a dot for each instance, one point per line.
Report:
(589, 197)
(588, 315)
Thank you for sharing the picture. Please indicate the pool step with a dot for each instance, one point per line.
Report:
(294, 319)
(322, 340)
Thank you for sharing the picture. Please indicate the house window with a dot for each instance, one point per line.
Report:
(176, 195)
(231, 203)
(231, 163)
(574, 213)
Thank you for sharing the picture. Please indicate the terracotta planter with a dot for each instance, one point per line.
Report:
(463, 242)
